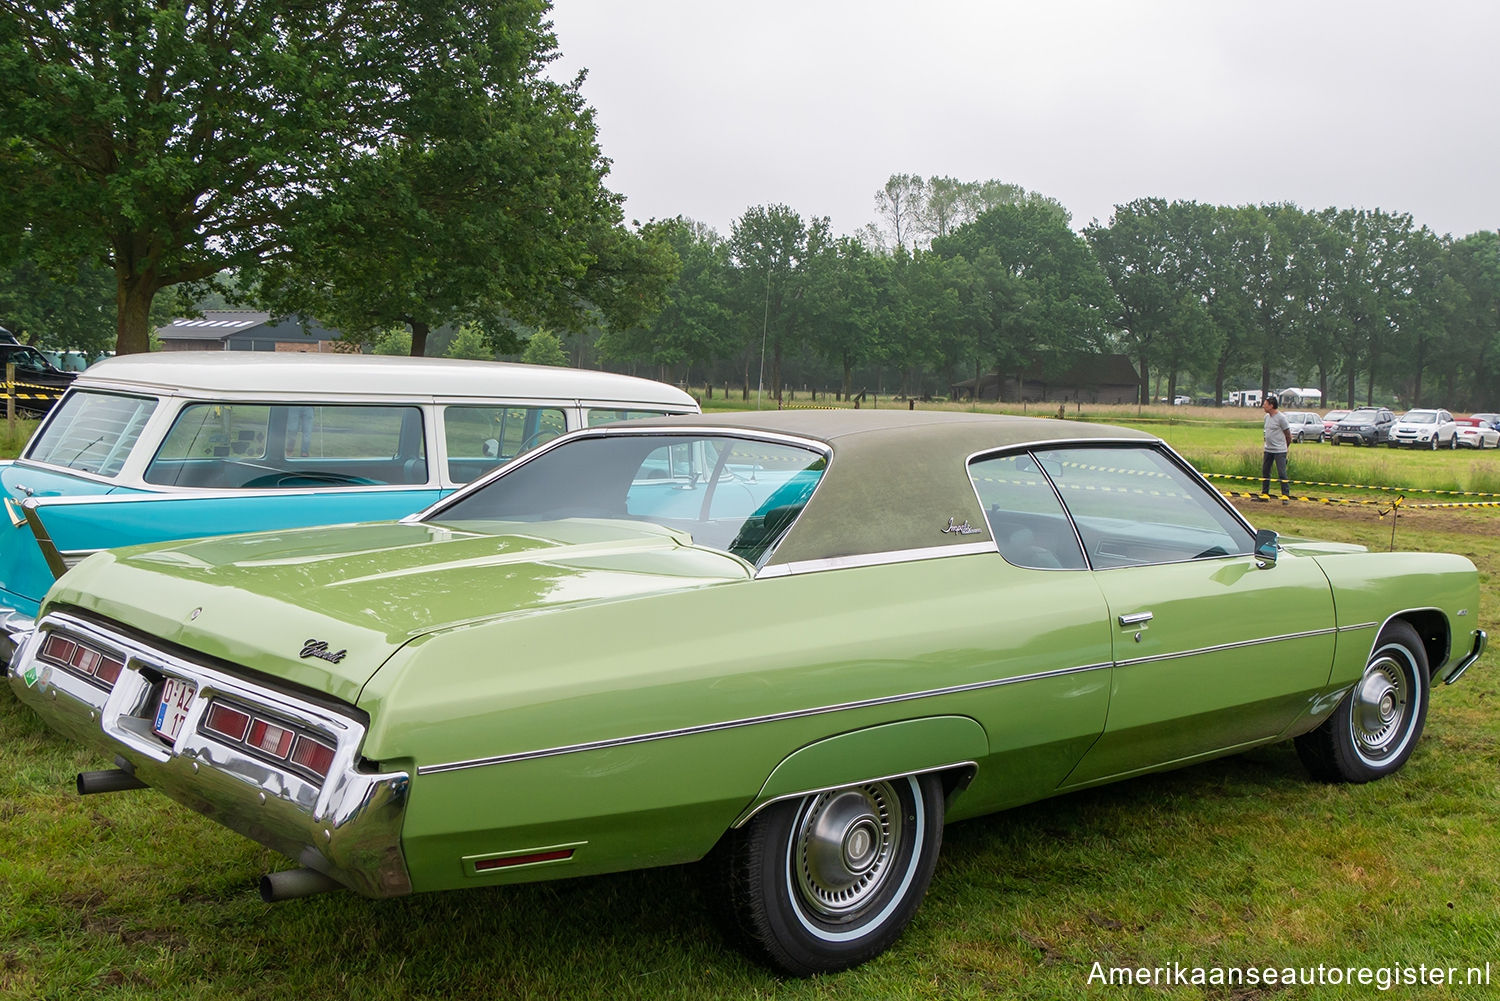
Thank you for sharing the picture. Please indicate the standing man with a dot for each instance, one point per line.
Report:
(1278, 440)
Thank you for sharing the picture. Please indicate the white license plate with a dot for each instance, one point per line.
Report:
(176, 700)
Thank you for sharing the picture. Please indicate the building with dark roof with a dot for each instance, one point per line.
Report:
(249, 330)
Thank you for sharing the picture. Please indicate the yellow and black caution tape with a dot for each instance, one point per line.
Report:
(1362, 486)
(1301, 498)
(27, 391)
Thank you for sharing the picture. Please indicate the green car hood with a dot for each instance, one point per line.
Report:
(266, 601)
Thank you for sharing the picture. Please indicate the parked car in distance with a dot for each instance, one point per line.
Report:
(1475, 433)
(1365, 426)
(795, 644)
(1304, 425)
(1493, 420)
(1424, 428)
(175, 445)
(1331, 421)
(39, 383)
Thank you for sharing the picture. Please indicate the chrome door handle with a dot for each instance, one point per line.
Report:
(1135, 618)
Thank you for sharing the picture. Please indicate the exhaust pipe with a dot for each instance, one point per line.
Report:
(110, 780)
(292, 883)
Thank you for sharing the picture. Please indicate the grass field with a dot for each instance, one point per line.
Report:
(1242, 862)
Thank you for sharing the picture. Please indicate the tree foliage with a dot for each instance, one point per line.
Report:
(407, 155)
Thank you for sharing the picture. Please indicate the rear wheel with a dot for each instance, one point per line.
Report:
(1376, 726)
(830, 880)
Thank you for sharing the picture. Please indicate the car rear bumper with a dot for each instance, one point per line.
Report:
(347, 826)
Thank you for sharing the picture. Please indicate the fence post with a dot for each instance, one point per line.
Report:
(10, 397)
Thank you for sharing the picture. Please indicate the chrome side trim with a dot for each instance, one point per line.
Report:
(1261, 641)
(54, 559)
(744, 818)
(735, 724)
(875, 559)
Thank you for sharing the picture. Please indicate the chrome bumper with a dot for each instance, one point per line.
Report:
(14, 628)
(348, 827)
(1468, 659)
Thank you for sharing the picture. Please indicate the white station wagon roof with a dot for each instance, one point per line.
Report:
(327, 376)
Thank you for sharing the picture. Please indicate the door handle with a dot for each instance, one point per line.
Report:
(1135, 618)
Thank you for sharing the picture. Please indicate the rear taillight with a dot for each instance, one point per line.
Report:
(82, 660)
(226, 721)
(314, 755)
(269, 738)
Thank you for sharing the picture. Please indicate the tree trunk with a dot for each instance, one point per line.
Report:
(133, 296)
(419, 331)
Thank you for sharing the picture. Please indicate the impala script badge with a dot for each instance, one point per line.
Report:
(956, 529)
(319, 649)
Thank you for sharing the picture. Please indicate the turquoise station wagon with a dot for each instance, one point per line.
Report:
(184, 444)
(793, 645)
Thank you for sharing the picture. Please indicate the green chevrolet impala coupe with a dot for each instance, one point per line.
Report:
(793, 645)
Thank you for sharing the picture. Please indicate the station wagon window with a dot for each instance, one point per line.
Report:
(597, 416)
(92, 432)
(267, 446)
(738, 495)
(479, 438)
(1135, 506)
(1026, 518)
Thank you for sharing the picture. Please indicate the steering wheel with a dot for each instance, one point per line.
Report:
(312, 478)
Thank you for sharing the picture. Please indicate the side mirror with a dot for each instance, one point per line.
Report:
(1266, 548)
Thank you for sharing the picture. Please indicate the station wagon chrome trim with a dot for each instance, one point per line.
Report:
(1218, 648)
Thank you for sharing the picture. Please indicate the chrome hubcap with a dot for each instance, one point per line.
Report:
(843, 848)
(1380, 707)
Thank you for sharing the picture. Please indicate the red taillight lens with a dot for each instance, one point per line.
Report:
(226, 721)
(274, 740)
(59, 650)
(109, 670)
(316, 757)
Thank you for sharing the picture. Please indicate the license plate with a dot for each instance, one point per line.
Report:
(176, 699)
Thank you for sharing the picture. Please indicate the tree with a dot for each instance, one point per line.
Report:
(470, 342)
(774, 253)
(695, 324)
(1040, 293)
(544, 349)
(172, 140)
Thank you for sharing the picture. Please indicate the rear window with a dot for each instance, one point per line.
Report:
(92, 432)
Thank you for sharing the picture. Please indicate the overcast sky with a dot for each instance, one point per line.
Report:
(708, 108)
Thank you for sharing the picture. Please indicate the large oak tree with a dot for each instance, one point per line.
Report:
(174, 139)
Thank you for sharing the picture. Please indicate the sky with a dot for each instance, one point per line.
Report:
(707, 108)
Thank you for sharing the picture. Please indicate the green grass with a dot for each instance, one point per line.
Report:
(1239, 862)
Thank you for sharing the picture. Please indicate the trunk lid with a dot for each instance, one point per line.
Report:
(324, 608)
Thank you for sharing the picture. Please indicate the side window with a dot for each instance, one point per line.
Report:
(1028, 522)
(479, 438)
(273, 446)
(1134, 506)
(597, 416)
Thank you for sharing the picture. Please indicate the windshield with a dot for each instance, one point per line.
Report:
(1364, 415)
(91, 432)
(1420, 417)
(738, 495)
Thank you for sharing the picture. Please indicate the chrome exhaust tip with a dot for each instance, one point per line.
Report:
(292, 883)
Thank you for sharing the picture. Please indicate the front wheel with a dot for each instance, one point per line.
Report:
(829, 881)
(1374, 729)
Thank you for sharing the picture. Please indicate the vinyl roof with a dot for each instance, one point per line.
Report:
(895, 478)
